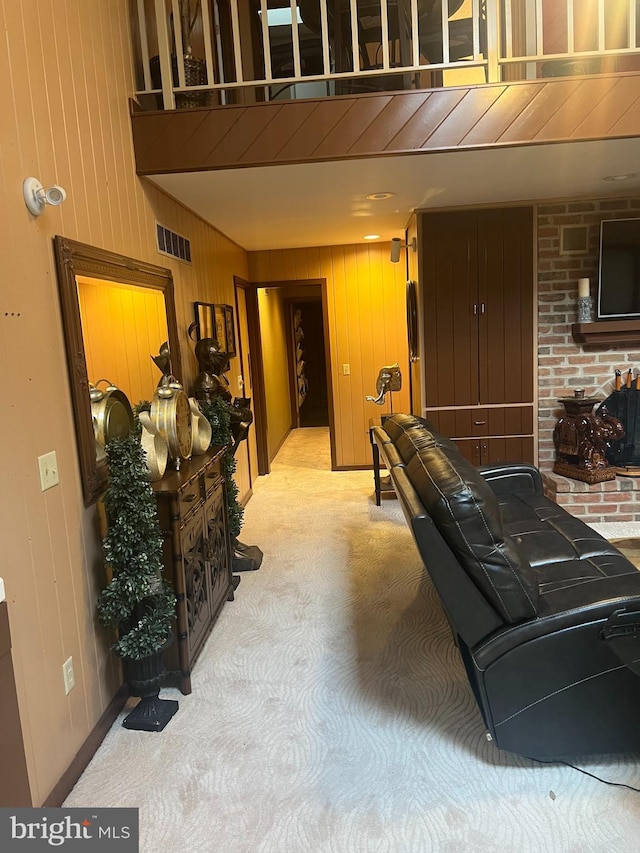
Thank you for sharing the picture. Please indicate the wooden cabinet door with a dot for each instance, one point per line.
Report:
(217, 550)
(478, 306)
(470, 448)
(450, 280)
(505, 317)
(196, 582)
(514, 448)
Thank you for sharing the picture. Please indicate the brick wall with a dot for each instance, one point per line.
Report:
(564, 365)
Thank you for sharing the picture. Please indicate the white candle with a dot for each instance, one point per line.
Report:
(583, 287)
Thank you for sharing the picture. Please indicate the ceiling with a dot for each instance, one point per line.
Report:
(322, 204)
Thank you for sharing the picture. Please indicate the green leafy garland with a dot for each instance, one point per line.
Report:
(218, 414)
(140, 406)
(137, 601)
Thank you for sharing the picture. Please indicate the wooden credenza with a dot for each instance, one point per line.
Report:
(192, 510)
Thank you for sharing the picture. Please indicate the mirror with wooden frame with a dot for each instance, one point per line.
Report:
(116, 314)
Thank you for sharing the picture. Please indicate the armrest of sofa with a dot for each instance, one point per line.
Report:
(564, 609)
(512, 477)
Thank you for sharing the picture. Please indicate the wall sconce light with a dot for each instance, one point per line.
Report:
(36, 196)
(397, 244)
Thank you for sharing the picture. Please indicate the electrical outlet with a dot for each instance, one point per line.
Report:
(346, 369)
(240, 383)
(48, 465)
(68, 676)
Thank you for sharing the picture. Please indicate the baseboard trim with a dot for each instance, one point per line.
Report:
(276, 451)
(86, 752)
(353, 468)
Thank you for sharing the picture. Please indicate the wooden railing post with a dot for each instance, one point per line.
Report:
(164, 52)
(493, 41)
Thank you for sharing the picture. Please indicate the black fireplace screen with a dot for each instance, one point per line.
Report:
(624, 405)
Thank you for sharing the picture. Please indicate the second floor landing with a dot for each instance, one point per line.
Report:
(378, 124)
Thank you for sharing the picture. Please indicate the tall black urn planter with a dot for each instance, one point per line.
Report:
(145, 677)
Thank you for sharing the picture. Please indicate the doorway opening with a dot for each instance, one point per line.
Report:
(308, 375)
(289, 361)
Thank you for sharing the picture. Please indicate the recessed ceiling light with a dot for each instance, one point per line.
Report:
(380, 196)
(620, 177)
(371, 237)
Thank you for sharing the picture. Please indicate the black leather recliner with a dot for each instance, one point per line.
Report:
(545, 612)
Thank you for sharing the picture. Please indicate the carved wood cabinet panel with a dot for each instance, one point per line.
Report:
(197, 555)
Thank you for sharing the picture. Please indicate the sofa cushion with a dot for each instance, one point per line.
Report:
(561, 549)
(466, 512)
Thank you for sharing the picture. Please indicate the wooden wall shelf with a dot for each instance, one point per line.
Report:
(607, 332)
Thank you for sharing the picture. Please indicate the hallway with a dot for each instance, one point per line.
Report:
(305, 447)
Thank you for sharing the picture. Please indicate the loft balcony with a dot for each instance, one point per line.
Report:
(209, 53)
(337, 95)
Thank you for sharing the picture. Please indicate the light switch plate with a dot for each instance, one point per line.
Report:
(68, 676)
(48, 465)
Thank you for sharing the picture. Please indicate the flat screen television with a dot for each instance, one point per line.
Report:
(619, 271)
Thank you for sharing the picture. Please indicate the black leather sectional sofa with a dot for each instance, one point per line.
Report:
(545, 612)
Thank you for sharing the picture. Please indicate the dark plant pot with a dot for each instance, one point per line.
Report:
(145, 677)
(195, 73)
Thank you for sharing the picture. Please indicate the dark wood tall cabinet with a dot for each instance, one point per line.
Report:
(192, 511)
(477, 274)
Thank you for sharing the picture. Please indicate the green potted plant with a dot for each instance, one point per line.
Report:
(137, 601)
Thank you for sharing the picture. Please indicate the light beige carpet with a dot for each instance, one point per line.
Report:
(330, 712)
(630, 548)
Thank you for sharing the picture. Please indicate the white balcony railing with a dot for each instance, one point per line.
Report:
(209, 52)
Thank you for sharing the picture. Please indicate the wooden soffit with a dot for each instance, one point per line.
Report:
(280, 132)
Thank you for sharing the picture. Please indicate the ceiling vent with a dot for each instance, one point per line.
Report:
(172, 244)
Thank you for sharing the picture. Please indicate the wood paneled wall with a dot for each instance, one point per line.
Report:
(367, 329)
(65, 77)
(273, 320)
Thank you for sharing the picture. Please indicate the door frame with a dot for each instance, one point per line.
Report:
(256, 369)
(257, 365)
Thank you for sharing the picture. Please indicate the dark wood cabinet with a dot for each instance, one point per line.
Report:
(492, 451)
(197, 554)
(488, 435)
(478, 313)
(14, 781)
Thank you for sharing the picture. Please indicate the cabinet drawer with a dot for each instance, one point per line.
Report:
(189, 498)
(468, 423)
(212, 478)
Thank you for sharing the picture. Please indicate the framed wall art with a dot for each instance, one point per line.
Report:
(215, 321)
(204, 320)
(221, 326)
(230, 330)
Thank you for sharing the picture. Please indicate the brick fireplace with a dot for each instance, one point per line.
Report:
(563, 364)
